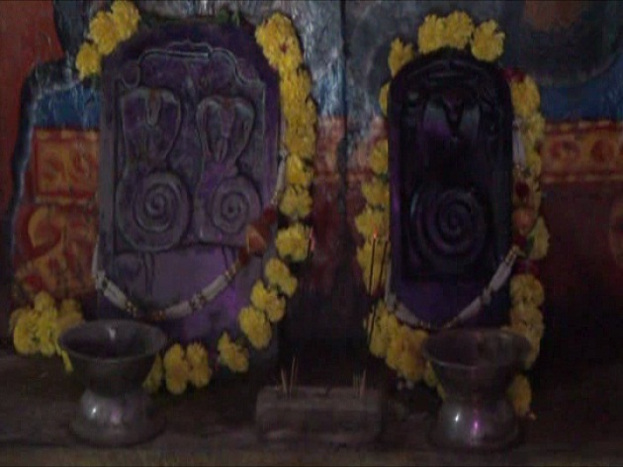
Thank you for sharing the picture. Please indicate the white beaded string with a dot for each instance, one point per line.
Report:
(499, 278)
(184, 308)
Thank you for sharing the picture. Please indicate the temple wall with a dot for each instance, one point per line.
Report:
(571, 48)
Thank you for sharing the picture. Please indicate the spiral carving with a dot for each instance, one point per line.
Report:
(450, 228)
(235, 203)
(153, 211)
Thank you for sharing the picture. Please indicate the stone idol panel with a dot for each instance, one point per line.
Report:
(450, 145)
(189, 141)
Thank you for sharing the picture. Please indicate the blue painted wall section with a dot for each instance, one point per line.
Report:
(600, 98)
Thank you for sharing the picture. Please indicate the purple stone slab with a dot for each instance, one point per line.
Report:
(450, 122)
(189, 139)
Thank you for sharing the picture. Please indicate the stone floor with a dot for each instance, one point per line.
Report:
(579, 421)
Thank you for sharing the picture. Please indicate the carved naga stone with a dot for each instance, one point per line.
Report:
(189, 134)
(450, 145)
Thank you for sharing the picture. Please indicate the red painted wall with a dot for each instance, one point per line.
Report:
(27, 37)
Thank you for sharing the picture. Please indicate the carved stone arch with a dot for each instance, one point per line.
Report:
(189, 154)
(450, 148)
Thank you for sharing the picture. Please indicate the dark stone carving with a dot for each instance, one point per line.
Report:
(450, 142)
(153, 210)
(189, 135)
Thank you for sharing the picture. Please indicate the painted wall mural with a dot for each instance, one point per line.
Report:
(50, 144)
(56, 222)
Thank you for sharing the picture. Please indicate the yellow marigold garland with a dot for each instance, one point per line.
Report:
(390, 338)
(233, 354)
(488, 42)
(280, 44)
(36, 329)
(106, 30)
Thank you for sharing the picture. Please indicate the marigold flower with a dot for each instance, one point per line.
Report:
(293, 242)
(383, 97)
(66, 362)
(255, 326)
(25, 334)
(404, 353)
(520, 395)
(528, 320)
(232, 355)
(278, 275)
(385, 328)
(44, 301)
(70, 306)
(365, 260)
(296, 202)
(540, 240)
(399, 55)
(16, 315)
(154, 379)
(47, 332)
(302, 118)
(298, 172)
(372, 222)
(103, 32)
(376, 193)
(280, 44)
(268, 300)
(431, 34)
(534, 162)
(379, 158)
(300, 140)
(177, 375)
(527, 191)
(67, 320)
(174, 354)
(200, 371)
(126, 17)
(294, 88)
(88, 60)
(459, 29)
(529, 315)
(176, 369)
(532, 129)
(488, 42)
(525, 96)
(533, 332)
(526, 290)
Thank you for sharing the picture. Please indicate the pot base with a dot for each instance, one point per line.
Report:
(482, 426)
(117, 420)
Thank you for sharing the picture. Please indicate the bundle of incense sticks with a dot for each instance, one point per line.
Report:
(374, 291)
(374, 306)
(288, 385)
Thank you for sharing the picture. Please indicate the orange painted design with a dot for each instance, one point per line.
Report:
(583, 152)
(58, 243)
(359, 160)
(330, 134)
(56, 225)
(65, 166)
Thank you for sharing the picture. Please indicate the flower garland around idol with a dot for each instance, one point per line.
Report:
(293, 241)
(397, 341)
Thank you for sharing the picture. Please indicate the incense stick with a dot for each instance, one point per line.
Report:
(292, 371)
(383, 263)
(310, 243)
(372, 263)
(362, 383)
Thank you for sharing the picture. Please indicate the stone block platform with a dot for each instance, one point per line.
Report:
(579, 421)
